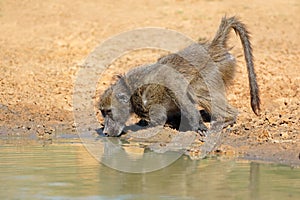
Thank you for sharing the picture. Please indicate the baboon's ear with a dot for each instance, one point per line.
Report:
(118, 76)
(122, 97)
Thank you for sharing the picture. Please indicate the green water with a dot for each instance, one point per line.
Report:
(65, 170)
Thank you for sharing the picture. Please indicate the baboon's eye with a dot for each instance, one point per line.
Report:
(106, 112)
(103, 113)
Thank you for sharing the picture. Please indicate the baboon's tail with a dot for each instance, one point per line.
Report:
(218, 45)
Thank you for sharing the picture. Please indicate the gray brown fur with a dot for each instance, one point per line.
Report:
(178, 83)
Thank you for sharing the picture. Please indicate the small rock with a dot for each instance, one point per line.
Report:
(284, 135)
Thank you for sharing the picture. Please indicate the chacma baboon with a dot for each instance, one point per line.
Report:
(179, 82)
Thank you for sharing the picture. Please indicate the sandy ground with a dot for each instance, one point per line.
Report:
(42, 44)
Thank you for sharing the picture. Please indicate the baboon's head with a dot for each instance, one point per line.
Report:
(115, 108)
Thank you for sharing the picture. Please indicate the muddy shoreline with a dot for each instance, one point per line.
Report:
(236, 141)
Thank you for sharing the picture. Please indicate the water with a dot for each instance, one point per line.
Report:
(30, 169)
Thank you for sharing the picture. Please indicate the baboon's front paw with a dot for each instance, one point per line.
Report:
(202, 133)
(202, 130)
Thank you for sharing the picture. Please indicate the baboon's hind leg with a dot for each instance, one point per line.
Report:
(221, 113)
(225, 117)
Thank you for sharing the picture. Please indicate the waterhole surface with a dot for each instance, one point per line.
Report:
(63, 169)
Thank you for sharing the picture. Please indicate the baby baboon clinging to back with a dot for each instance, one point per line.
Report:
(174, 86)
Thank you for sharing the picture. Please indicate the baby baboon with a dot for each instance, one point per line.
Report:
(177, 83)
